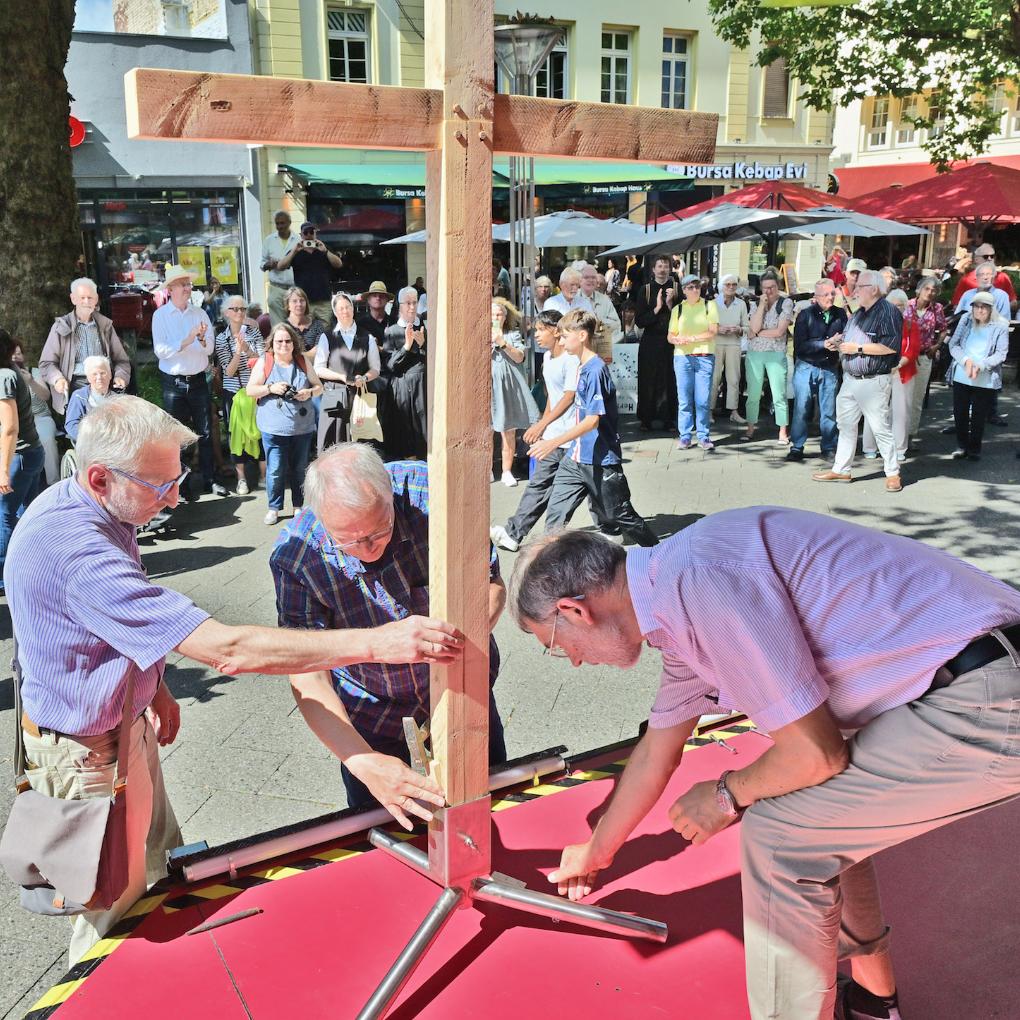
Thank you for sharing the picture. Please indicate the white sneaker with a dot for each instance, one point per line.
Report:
(272, 516)
(242, 488)
(508, 479)
(736, 418)
(501, 539)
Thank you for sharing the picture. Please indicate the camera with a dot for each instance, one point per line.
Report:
(307, 244)
(290, 393)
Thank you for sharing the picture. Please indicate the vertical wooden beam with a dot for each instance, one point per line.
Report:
(459, 61)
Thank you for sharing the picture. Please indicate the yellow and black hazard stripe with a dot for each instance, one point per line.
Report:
(159, 897)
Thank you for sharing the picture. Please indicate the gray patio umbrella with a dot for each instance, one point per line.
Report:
(415, 237)
(725, 222)
(570, 229)
(855, 224)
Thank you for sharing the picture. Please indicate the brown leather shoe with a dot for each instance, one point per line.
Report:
(893, 483)
(831, 476)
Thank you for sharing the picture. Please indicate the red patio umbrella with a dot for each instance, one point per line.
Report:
(765, 195)
(976, 195)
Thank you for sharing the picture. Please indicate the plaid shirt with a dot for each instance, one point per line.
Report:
(318, 586)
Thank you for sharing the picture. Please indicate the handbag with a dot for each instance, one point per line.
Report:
(365, 416)
(68, 856)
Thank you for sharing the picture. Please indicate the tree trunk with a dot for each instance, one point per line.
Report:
(40, 239)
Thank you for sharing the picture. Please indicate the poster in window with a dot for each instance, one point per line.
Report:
(224, 260)
(192, 258)
(790, 278)
(194, 19)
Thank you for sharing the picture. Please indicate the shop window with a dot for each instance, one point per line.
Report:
(776, 89)
(878, 134)
(616, 61)
(909, 107)
(349, 46)
(675, 65)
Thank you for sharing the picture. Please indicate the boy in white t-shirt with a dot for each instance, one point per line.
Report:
(559, 371)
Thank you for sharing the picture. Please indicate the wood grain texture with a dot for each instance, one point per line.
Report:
(459, 60)
(278, 111)
(602, 131)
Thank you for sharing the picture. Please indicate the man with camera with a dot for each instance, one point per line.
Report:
(313, 265)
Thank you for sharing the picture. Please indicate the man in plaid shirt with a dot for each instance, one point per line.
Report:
(357, 557)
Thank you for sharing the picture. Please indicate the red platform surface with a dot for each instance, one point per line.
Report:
(326, 936)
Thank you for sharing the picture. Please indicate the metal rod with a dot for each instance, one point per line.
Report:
(414, 858)
(411, 955)
(557, 908)
(232, 860)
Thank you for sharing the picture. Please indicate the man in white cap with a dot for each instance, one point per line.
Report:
(846, 296)
(183, 340)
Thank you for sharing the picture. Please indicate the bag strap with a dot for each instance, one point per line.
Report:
(20, 759)
(124, 735)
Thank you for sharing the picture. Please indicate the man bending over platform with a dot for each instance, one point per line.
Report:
(358, 556)
(886, 723)
(87, 618)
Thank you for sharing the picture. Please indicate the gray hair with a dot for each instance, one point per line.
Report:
(567, 565)
(283, 212)
(348, 476)
(897, 297)
(84, 281)
(341, 295)
(569, 274)
(824, 282)
(987, 265)
(406, 294)
(543, 281)
(116, 434)
(872, 276)
(928, 281)
(729, 278)
(237, 297)
(94, 361)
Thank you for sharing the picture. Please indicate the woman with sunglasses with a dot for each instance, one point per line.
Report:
(284, 382)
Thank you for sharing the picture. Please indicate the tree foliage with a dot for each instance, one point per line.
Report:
(959, 50)
(39, 234)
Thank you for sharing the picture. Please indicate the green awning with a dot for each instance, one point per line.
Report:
(552, 178)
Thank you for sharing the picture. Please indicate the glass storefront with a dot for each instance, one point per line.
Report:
(129, 237)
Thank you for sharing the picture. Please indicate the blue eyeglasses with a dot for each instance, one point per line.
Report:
(160, 490)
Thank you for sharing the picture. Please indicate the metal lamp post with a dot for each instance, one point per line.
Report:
(521, 49)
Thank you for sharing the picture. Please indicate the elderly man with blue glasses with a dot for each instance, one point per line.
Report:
(88, 620)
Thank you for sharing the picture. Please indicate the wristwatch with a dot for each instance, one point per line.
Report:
(723, 798)
(860, 348)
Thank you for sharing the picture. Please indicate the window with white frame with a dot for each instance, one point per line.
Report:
(616, 57)
(349, 46)
(909, 107)
(937, 115)
(878, 134)
(551, 77)
(676, 52)
(998, 102)
(776, 89)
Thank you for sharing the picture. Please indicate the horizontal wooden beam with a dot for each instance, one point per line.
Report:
(199, 107)
(524, 126)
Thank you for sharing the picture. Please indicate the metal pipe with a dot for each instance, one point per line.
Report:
(230, 861)
(557, 908)
(411, 955)
(414, 858)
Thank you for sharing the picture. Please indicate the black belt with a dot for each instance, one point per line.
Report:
(978, 653)
(874, 375)
(186, 378)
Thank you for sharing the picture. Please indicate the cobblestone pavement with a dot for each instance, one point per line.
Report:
(245, 761)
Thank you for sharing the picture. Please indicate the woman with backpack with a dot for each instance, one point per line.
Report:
(692, 329)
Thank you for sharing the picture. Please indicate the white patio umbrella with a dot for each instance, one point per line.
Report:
(415, 237)
(725, 222)
(855, 224)
(570, 229)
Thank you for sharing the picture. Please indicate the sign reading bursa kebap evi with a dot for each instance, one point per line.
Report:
(737, 171)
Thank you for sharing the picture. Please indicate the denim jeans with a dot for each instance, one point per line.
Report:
(694, 392)
(190, 402)
(286, 457)
(821, 383)
(26, 467)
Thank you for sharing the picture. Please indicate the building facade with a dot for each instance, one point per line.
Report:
(144, 204)
(657, 55)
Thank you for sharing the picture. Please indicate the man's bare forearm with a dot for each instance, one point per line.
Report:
(326, 716)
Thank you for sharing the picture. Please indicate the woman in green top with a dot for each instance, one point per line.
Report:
(692, 329)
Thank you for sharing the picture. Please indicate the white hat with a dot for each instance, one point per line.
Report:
(856, 266)
(175, 273)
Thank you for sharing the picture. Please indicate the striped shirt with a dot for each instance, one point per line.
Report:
(86, 345)
(320, 587)
(225, 347)
(85, 613)
(774, 611)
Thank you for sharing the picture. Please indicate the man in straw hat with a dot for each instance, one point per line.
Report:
(376, 318)
(183, 340)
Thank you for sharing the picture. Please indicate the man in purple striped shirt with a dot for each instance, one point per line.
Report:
(87, 617)
(886, 673)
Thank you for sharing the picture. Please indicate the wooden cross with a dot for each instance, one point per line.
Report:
(459, 122)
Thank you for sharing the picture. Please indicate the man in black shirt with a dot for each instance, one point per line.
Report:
(816, 337)
(375, 319)
(657, 396)
(313, 264)
(872, 342)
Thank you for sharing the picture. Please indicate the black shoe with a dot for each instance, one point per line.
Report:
(794, 454)
(948, 430)
(998, 419)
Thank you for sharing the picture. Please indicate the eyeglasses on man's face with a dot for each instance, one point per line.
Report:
(365, 540)
(551, 649)
(160, 491)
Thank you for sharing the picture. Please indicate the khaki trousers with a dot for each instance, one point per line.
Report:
(77, 768)
(924, 367)
(277, 303)
(899, 410)
(809, 888)
(870, 398)
(727, 356)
